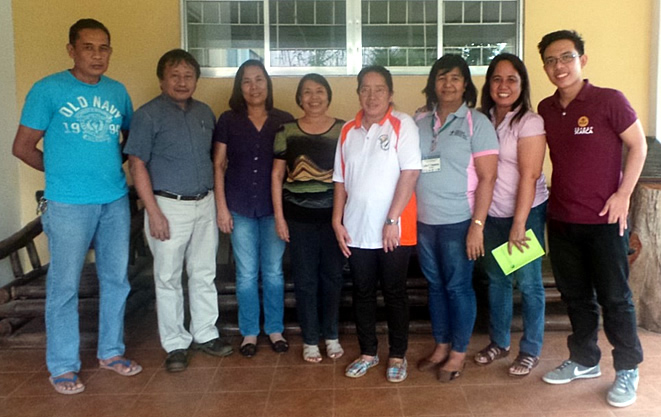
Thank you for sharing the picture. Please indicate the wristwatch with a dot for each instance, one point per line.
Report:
(390, 222)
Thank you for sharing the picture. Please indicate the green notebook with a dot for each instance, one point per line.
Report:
(510, 263)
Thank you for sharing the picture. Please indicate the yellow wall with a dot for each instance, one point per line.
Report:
(617, 37)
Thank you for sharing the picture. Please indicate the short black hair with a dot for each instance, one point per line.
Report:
(74, 30)
(445, 64)
(487, 102)
(379, 69)
(317, 78)
(237, 102)
(559, 35)
(173, 58)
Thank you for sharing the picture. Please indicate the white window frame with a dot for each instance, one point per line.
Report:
(354, 46)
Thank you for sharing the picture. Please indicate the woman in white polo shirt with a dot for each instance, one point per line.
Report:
(377, 164)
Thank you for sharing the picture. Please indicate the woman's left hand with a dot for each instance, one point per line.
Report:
(475, 242)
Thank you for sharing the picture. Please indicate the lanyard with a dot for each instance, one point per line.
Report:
(435, 135)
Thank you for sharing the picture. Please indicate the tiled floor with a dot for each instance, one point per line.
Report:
(283, 385)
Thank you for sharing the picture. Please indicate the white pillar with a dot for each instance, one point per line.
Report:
(655, 73)
(9, 183)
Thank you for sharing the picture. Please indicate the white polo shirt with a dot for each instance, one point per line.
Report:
(369, 162)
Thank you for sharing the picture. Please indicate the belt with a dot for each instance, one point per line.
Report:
(174, 196)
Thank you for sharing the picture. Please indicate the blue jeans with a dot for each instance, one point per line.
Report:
(449, 273)
(316, 268)
(71, 229)
(591, 270)
(258, 251)
(528, 280)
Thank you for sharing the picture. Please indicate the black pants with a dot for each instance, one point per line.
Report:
(368, 268)
(591, 270)
(316, 262)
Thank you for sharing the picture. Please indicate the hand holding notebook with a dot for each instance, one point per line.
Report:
(511, 262)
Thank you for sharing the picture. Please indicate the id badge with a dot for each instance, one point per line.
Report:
(431, 165)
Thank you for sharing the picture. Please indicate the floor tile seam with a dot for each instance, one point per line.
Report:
(16, 388)
(270, 389)
(222, 391)
(468, 403)
(244, 366)
(213, 377)
(151, 379)
(400, 400)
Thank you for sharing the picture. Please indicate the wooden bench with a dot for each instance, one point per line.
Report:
(22, 300)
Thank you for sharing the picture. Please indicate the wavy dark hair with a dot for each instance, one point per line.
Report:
(317, 78)
(445, 64)
(487, 101)
(237, 102)
(570, 35)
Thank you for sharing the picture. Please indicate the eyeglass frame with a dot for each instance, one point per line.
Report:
(566, 58)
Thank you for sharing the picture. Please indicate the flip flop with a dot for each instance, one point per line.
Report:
(125, 370)
(57, 383)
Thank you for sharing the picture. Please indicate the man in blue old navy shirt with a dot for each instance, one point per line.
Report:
(80, 113)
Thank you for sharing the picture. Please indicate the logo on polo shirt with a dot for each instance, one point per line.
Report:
(459, 133)
(384, 141)
(583, 128)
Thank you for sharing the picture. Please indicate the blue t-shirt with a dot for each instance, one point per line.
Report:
(81, 124)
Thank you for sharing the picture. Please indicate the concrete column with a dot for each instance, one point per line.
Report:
(9, 183)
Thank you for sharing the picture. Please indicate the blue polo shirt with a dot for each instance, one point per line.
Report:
(250, 160)
(175, 144)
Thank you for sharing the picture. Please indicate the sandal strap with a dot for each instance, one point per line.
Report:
(493, 352)
(526, 360)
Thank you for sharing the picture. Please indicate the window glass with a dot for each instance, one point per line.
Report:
(340, 36)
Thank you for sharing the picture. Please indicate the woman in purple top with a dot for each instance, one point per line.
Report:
(243, 159)
(519, 203)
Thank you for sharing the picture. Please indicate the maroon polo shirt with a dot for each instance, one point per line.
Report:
(586, 151)
(250, 160)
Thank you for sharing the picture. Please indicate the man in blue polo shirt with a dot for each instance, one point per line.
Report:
(80, 113)
(170, 159)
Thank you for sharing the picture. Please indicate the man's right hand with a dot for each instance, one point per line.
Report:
(159, 227)
(225, 221)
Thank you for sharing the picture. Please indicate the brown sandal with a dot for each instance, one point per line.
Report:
(523, 364)
(490, 354)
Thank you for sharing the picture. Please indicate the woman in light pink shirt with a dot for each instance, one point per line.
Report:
(519, 204)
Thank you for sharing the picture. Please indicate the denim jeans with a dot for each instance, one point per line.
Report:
(316, 268)
(71, 229)
(528, 280)
(449, 273)
(368, 268)
(591, 269)
(258, 252)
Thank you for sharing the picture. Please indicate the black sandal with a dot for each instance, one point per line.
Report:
(248, 350)
(279, 346)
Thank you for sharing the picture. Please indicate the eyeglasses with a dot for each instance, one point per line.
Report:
(550, 61)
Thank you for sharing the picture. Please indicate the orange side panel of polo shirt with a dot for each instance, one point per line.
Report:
(409, 227)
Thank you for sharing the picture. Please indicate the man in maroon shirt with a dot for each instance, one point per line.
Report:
(586, 127)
